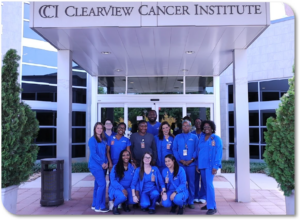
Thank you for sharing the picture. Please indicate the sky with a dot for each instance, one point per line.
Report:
(277, 10)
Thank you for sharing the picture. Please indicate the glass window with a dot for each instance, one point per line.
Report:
(78, 135)
(48, 151)
(112, 85)
(39, 74)
(231, 118)
(231, 135)
(173, 116)
(39, 92)
(272, 90)
(78, 118)
(46, 117)
(29, 33)
(132, 117)
(254, 151)
(202, 113)
(265, 114)
(155, 85)
(26, 11)
(39, 56)
(231, 150)
(79, 95)
(78, 151)
(230, 94)
(199, 85)
(253, 92)
(78, 78)
(254, 135)
(253, 118)
(46, 135)
(263, 135)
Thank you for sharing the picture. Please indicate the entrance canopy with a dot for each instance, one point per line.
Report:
(150, 38)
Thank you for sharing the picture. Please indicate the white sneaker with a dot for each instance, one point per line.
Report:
(101, 210)
(110, 205)
(93, 207)
(120, 206)
(157, 203)
(196, 200)
(202, 201)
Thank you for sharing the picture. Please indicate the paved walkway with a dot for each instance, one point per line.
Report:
(266, 199)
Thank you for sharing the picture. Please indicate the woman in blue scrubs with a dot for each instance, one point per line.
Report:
(115, 144)
(97, 164)
(121, 177)
(185, 152)
(164, 143)
(209, 161)
(175, 180)
(149, 181)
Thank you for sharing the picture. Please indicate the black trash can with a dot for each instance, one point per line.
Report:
(52, 180)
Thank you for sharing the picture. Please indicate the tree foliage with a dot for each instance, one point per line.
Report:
(19, 127)
(280, 149)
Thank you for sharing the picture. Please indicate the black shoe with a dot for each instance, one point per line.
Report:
(144, 209)
(151, 211)
(115, 210)
(180, 211)
(125, 207)
(211, 211)
(135, 206)
(173, 209)
(191, 206)
(204, 208)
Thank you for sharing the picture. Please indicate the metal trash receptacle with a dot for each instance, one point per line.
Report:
(52, 182)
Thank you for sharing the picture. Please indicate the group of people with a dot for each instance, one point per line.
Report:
(154, 167)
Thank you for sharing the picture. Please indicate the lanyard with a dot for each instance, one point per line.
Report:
(186, 140)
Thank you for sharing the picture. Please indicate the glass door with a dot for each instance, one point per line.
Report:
(113, 112)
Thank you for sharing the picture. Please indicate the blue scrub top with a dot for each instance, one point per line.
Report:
(116, 146)
(179, 143)
(125, 182)
(162, 150)
(175, 184)
(97, 154)
(148, 184)
(198, 135)
(153, 129)
(112, 134)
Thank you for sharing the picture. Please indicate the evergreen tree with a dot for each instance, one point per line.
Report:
(280, 149)
(19, 127)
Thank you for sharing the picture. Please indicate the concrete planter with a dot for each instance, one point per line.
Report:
(290, 204)
(9, 198)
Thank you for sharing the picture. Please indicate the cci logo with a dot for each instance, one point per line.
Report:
(48, 11)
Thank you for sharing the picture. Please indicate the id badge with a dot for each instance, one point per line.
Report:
(167, 180)
(185, 152)
(168, 146)
(142, 144)
(112, 142)
(152, 178)
(213, 143)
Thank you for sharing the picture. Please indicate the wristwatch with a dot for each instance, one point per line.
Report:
(192, 159)
(176, 192)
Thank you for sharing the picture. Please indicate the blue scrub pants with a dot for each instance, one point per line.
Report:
(148, 199)
(119, 197)
(208, 177)
(199, 194)
(179, 199)
(99, 189)
(190, 176)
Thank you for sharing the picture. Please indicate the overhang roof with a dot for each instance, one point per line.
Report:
(148, 48)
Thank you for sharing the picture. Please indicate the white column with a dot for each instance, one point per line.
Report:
(64, 116)
(89, 123)
(241, 131)
(217, 105)
(94, 102)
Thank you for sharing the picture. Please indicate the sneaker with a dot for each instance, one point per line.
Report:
(110, 205)
(204, 208)
(120, 206)
(93, 207)
(180, 211)
(191, 206)
(173, 209)
(211, 211)
(196, 200)
(157, 203)
(102, 210)
(116, 211)
(151, 211)
(202, 201)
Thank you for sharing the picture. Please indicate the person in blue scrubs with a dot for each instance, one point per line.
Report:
(115, 144)
(200, 195)
(152, 124)
(209, 161)
(150, 183)
(108, 128)
(164, 144)
(175, 181)
(98, 163)
(185, 152)
(121, 177)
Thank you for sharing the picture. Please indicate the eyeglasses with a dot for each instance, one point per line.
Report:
(148, 158)
(207, 127)
(108, 123)
(185, 126)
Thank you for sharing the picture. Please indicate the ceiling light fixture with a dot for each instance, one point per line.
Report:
(189, 52)
(105, 52)
(118, 70)
(184, 70)
(131, 82)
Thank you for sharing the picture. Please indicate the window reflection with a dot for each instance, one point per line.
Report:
(199, 85)
(111, 85)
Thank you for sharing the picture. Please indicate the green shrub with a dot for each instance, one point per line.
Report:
(76, 167)
(19, 127)
(280, 149)
(228, 167)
